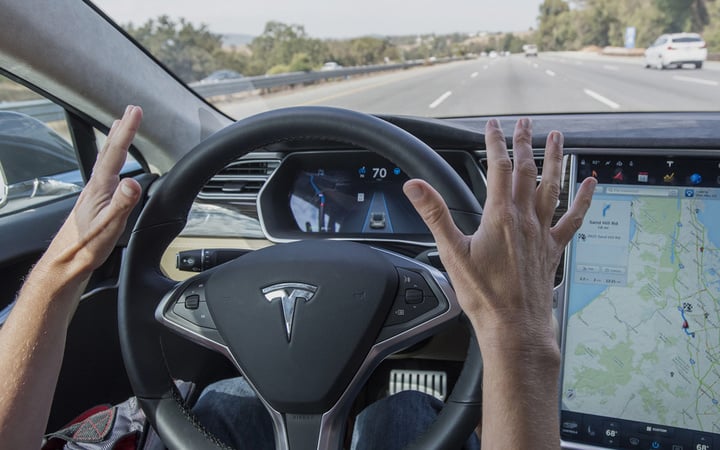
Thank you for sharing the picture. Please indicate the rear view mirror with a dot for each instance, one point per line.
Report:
(3, 187)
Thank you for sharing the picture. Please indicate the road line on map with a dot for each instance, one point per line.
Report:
(604, 100)
(696, 80)
(550, 73)
(440, 99)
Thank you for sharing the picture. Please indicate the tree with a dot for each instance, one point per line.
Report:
(711, 33)
(683, 15)
(279, 43)
(557, 29)
(188, 51)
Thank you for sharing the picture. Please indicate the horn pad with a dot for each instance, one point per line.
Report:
(300, 318)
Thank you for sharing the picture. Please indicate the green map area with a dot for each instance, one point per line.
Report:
(649, 350)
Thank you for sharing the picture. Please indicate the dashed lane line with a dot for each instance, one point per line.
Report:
(604, 100)
(550, 73)
(474, 74)
(440, 99)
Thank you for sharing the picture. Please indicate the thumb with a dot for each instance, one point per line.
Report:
(124, 199)
(434, 212)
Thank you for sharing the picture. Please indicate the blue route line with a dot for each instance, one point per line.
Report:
(317, 189)
(605, 209)
(682, 313)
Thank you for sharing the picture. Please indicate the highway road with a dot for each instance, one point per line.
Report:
(551, 83)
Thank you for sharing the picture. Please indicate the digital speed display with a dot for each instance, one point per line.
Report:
(344, 194)
(365, 198)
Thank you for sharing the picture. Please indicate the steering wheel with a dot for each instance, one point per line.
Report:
(345, 297)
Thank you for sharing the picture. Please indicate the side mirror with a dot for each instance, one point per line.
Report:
(3, 187)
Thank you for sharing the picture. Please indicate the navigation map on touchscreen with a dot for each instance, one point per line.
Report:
(643, 336)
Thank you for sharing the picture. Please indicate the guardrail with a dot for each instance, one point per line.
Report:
(47, 111)
(227, 87)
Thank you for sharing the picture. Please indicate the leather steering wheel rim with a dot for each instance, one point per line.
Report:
(142, 284)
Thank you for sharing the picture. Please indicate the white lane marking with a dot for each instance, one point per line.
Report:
(535, 66)
(601, 99)
(696, 80)
(609, 67)
(578, 63)
(550, 73)
(440, 99)
(474, 75)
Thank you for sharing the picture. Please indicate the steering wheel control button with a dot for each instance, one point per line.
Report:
(413, 296)
(412, 280)
(192, 301)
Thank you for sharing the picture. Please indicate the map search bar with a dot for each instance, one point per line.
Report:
(641, 191)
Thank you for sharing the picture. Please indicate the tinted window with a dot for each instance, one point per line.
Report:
(687, 39)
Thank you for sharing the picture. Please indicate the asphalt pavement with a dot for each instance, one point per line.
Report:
(551, 83)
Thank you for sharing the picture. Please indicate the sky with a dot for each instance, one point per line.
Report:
(336, 18)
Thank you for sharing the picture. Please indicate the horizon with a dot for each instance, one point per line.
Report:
(333, 19)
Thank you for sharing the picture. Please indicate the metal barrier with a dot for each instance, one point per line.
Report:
(47, 111)
(227, 87)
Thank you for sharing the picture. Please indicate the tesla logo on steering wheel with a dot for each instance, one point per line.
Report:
(289, 294)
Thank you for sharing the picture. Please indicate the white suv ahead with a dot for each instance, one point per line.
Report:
(675, 50)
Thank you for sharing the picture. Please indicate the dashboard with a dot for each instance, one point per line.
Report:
(638, 291)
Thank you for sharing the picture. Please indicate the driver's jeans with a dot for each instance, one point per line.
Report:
(231, 411)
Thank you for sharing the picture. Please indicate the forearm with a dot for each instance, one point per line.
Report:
(32, 342)
(520, 398)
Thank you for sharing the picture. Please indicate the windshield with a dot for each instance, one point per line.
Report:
(440, 59)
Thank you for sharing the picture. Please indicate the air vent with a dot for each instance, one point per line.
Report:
(538, 162)
(239, 182)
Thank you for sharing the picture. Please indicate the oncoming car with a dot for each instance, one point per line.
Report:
(676, 49)
(274, 244)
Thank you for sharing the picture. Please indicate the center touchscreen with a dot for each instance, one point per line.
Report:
(641, 365)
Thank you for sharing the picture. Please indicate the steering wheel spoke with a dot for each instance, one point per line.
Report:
(424, 303)
(184, 310)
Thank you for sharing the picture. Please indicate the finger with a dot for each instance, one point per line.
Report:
(115, 152)
(525, 173)
(434, 212)
(571, 221)
(108, 139)
(548, 192)
(113, 128)
(124, 199)
(499, 165)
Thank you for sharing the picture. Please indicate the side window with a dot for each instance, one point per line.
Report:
(37, 156)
